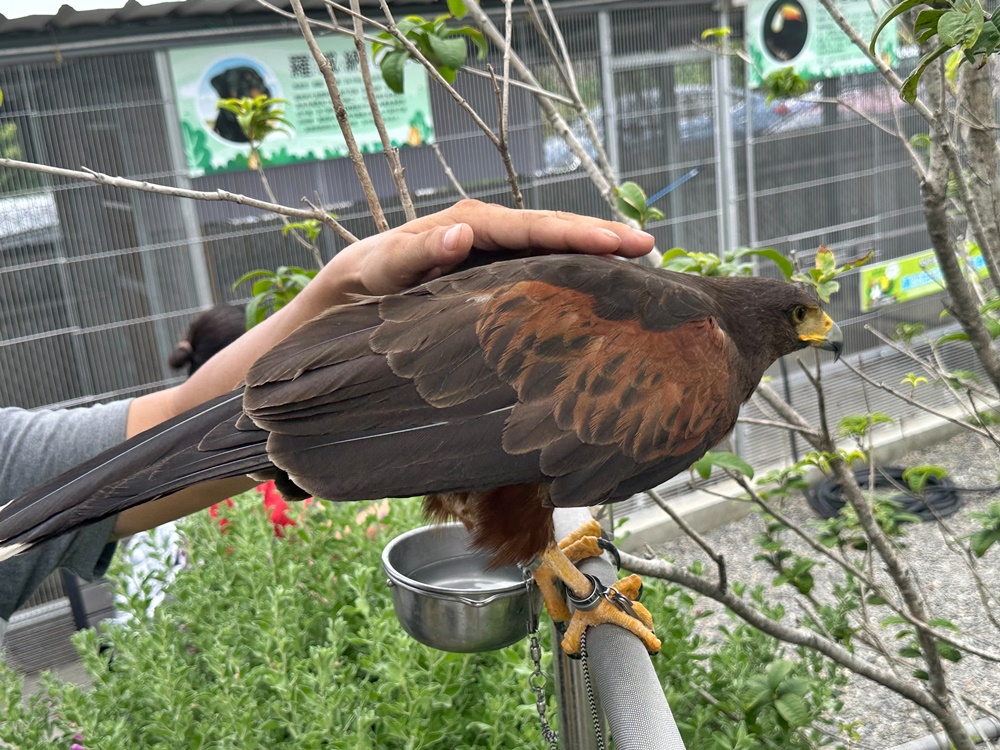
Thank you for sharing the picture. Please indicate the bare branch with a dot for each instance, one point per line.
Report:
(417, 55)
(564, 66)
(374, 206)
(557, 121)
(780, 425)
(799, 636)
(447, 170)
(908, 399)
(717, 558)
(218, 195)
(390, 151)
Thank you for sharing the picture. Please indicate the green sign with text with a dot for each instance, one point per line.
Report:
(801, 34)
(907, 278)
(285, 69)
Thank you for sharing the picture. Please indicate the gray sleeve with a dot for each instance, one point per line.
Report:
(34, 447)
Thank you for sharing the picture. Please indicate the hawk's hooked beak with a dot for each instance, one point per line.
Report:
(820, 331)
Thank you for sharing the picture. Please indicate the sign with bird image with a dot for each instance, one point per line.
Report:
(284, 71)
(910, 277)
(800, 34)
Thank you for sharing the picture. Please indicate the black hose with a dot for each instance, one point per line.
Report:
(939, 498)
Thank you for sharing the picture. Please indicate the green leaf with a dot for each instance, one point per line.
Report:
(961, 27)
(784, 83)
(653, 214)
(449, 52)
(825, 260)
(784, 265)
(981, 541)
(927, 21)
(632, 197)
(720, 32)
(958, 336)
(792, 709)
(940, 622)
(916, 476)
(909, 91)
(392, 70)
(949, 652)
(251, 275)
(457, 8)
(476, 36)
(729, 461)
(895, 12)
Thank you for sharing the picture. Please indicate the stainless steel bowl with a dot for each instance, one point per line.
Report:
(446, 596)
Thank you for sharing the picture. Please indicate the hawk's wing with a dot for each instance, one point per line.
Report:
(587, 372)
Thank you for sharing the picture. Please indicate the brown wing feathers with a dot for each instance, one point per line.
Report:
(586, 373)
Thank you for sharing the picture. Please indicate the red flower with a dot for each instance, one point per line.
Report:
(214, 513)
(274, 505)
(277, 508)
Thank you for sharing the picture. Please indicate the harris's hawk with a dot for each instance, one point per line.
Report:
(498, 392)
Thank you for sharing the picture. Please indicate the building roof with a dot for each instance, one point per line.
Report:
(28, 16)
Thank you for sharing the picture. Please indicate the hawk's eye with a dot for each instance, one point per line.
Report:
(799, 314)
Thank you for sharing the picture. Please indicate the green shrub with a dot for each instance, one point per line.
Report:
(266, 642)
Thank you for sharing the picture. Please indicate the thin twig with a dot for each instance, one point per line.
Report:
(340, 111)
(390, 151)
(447, 171)
(310, 246)
(717, 558)
(417, 55)
(564, 67)
(555, 119)
(151, 187)
(913, 401)
(779, 425)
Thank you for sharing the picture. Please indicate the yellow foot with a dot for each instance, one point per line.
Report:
(617, 605)
(577, 545)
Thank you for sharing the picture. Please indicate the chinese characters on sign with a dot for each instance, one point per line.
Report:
(284, 69)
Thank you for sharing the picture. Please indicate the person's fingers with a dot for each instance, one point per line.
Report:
(408, 259)
(500, 227)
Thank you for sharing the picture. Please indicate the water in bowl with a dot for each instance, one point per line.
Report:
(466, 573)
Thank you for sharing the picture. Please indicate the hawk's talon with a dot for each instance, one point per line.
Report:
(617, 606)
(608, 546)
(594, 604)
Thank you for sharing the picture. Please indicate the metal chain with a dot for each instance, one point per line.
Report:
(594, 713)
(537, 678)
(537, 682)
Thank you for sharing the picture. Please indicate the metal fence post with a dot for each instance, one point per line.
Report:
(189, 213)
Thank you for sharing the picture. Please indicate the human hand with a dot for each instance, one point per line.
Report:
(434, 245)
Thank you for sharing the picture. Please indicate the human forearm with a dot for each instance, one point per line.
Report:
(184, 503)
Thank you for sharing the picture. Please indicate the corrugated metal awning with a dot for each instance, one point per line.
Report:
(28, 16)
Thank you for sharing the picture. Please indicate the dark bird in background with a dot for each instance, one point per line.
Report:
(241, 82)
(497, 392)
(785, 29)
